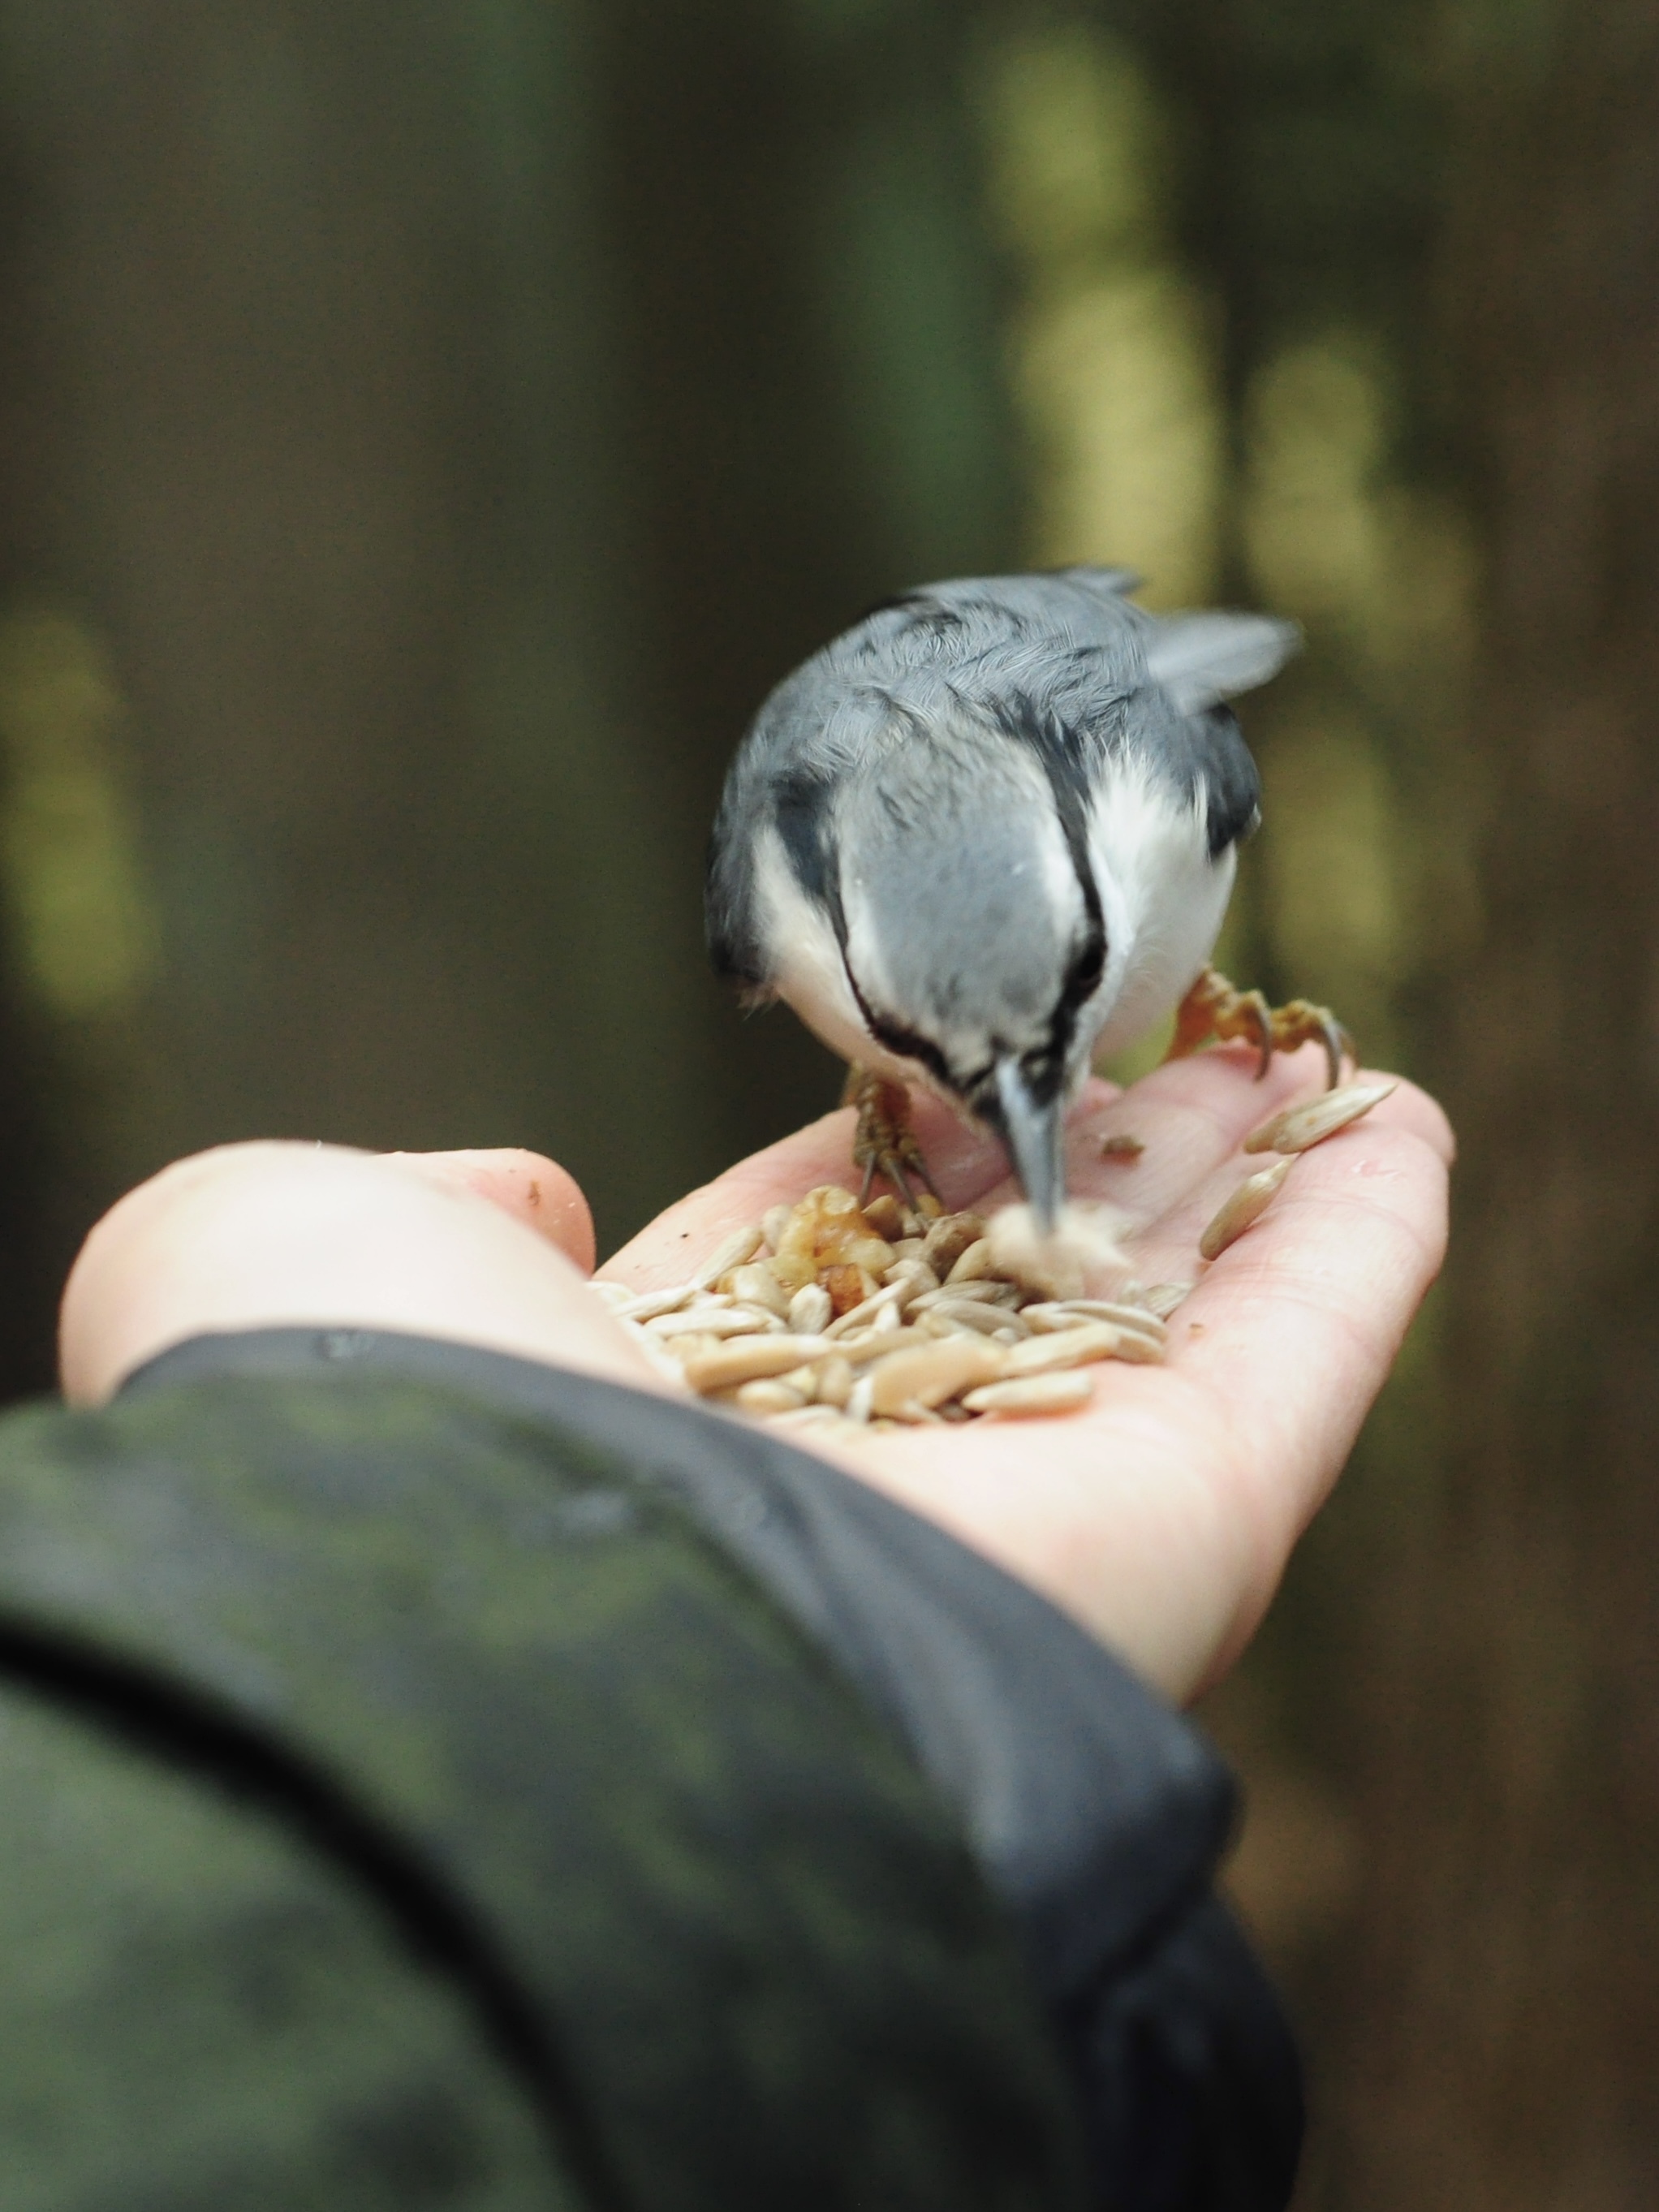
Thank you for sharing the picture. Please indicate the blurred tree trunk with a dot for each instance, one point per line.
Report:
(1507, 2053)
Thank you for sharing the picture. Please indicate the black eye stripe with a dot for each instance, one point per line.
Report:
(907, 1043)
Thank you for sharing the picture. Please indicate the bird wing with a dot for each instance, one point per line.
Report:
(1073, 628)
(1062, 660)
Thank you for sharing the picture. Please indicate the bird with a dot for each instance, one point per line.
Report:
(988, 835)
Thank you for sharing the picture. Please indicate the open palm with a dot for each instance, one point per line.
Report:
(1162, 1514)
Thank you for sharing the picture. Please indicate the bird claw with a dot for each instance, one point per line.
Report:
(884, 1142)
(1213, 1008)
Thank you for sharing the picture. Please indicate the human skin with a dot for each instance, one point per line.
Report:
(1160, 1515)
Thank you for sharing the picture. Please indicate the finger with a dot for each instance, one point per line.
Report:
(529, 1186)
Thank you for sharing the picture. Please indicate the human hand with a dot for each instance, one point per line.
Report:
(1161, 1516)
(487, 1247)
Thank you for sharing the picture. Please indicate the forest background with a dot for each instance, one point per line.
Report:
(426, 431)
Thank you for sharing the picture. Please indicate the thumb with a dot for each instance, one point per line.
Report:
(529, 1186)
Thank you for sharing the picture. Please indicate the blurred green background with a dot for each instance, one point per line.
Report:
(426, 432)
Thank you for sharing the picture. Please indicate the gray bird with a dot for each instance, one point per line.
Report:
(990, 831)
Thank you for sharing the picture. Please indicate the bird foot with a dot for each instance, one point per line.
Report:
(1213, 1008)
(884, 1142)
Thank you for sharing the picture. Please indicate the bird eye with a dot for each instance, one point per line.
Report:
(1083, 977)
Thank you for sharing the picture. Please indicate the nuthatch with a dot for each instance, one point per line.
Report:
(990, 831)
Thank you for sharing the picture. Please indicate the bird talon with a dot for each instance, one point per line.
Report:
(1214, 1009)
(1264, 1015)
(893, 1169)
(884, 1143)
(1339, 1047)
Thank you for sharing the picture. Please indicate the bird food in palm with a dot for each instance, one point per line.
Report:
(876, 1315)
(832, 1312)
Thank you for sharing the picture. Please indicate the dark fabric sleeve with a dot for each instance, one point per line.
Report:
(420, 1809)
(1096, 1815)
(200, 2011)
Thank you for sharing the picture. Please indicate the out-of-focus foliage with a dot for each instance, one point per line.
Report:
(84, 926)
(1112, 347)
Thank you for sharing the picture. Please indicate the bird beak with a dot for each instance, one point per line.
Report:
(1031, 1134)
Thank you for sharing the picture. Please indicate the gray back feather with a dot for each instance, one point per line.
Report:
(1063, 662)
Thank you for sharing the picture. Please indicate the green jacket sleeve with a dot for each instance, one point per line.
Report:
(410, 1804)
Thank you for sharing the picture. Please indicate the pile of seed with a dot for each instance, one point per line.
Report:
(828, 1311)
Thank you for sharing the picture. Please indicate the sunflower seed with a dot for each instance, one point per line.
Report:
(773, 1222)
(974, 1313)
(913, 1279)
(664, 1362)
(1315, 1119)
(974, 1263)
(650, 1303)
(862, 1314)
(1030, 1394)
(770, 1397)
(731, 1252)
(935, 1325)
(926, 1377)
(857, 1407)
(1080, 1347)
(1067, 1313)
(833, 1381)
(949, 1237)
(755, 1285)
(1163, 1298)
(615, 1295)
(684, 1347)
(749, 1359)
(979, 1293)
(875, 1343)
(810, 1309)
(723, 1320)
(1248, 1203)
